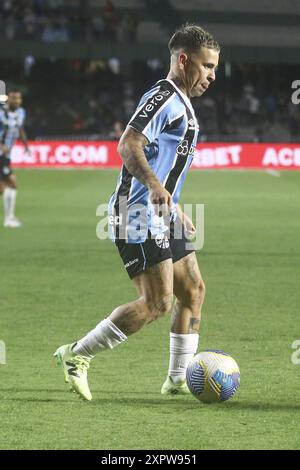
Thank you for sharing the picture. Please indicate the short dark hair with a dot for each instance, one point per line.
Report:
(191, 37)
(14, 90)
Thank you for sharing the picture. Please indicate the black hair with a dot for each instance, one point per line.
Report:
(191, 37)
(14, 90)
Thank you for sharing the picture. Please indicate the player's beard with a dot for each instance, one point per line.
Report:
(186, 79)
(189, 79)
(196, 91)
(183, 82)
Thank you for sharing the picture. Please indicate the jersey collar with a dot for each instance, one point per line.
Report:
(183, 96)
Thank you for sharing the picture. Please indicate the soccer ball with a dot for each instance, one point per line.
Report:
(213, 376)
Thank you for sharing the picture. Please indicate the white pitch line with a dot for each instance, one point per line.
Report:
(273, 172)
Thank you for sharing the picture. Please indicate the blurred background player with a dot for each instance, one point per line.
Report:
(12, 118)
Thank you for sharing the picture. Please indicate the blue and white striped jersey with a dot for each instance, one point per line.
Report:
(10, 124)
(166, 118)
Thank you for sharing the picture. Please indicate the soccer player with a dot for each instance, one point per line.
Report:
(157, 148)
(12, 117)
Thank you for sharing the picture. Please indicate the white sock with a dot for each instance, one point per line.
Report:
(6, 201)
(9, 201)
(13, 197)
(106, 335)
(182, 350)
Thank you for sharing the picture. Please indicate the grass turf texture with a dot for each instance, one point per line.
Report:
(58, 280)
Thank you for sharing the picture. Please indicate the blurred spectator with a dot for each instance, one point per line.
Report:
(294, 120)
(30, 24)
(56, 31)
(128, 28)
(111, 21)
(98, 98)
(58, 20)
(7, 5)
(249, 104)
(10, 27)
(97, 27)
(117, 131)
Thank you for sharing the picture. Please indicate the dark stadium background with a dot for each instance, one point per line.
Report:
(108, 53)
(82, 66)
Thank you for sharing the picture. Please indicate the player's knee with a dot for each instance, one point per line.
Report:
(161, 306)
(165, 304)
(194, 295)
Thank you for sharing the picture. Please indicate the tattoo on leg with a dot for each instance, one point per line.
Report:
(194, 325)
(174, 314)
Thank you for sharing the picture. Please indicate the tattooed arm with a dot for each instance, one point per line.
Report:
(131, 149)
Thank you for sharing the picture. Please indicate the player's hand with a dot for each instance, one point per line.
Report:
(189, 227)
(4, 149)
(28, 151)
(161, 199)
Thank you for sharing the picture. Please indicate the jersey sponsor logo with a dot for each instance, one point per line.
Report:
(153, 103)
(183, 148)
(162, 241)
(131, 262)
(183, 151)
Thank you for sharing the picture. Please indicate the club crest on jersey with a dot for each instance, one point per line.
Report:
(162, 241)
(153, 102)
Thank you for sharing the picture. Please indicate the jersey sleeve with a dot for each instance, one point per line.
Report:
(22, 117)
(154, 112)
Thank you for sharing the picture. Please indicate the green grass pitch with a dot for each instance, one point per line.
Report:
(58, 280)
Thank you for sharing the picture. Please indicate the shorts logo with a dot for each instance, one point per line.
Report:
(130, 263)
(162, 241)
(5, 170)
(115, 220)
(183, 148)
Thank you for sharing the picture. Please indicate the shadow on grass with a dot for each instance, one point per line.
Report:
(143, 400)
(176, 403)
(190, 403)
(262, 406)
(38, 400)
